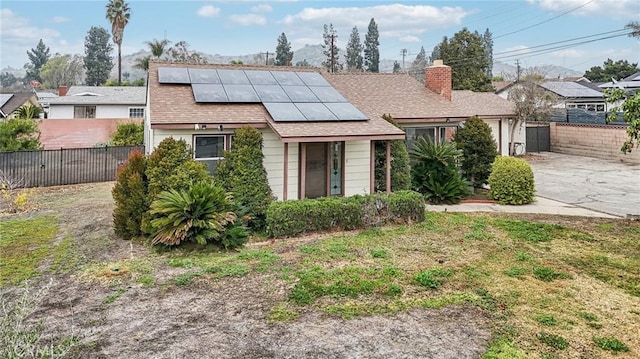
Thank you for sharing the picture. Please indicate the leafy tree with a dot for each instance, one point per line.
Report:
(97, 59)
(400, 168)
(283, 51)
(533, 103)
(18, 134)
(128, 134)
(630, 114)
(435, 53)
(354, 51)
(417, 66)
(487, 42)
(611, 70)
(303, 63)
(396, 67)
(435, 172)
(466, 54)
(180, 52)
(7, 79)
(330, 49)
(118, 14)
(38, 57)
(478, 150)
(242, 173)
(235, 62)
(130, 196)
(634, 26)
(62, 70)
(371, 50)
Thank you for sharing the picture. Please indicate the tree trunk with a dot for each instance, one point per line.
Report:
(119, 65)
(512, 133)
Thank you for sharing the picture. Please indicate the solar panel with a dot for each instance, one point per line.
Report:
(241, 93)
(173, 75)
(287, 78)
(204, 76)
(300, 94)
(327, 94)
(209, 93)
(313, 79)
(233, 77)
(346, 111)
(271, 93)
(316, 112)
(260, 77)
(284, 112)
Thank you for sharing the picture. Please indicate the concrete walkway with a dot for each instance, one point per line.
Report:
(540, 205)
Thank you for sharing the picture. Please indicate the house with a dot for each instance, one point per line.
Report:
(432, 109)
(11, 102)
(318, 128)
(629, 83)
(113, 102)
(580, 94)
(316, 143)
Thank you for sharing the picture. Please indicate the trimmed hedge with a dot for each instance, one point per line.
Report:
(511, 181)
(292, 218)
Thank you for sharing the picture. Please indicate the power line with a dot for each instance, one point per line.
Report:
(563, 41)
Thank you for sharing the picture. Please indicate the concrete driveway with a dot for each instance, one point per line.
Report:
(600, 185)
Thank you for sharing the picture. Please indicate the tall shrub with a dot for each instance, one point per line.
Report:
(128, 134)
(478, 150)
(242, 173)
(400, 168)
(511, 181)
(130, 196)
(435, 172)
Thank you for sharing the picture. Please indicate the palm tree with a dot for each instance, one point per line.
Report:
(158, 47)
(142, 63)
(118, 15)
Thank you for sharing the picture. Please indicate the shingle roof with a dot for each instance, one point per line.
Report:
(175, 104)
(571, 89)
(15, 101)
(483, 104)
(102, 95)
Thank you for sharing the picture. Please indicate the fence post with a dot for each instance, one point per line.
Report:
(61, 165)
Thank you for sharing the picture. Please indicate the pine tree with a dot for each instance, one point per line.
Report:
(330, 49)
(38, 57)
(283, 51)
(396, 67)
(478, 150)
(371, 51)
(487, 42)
(97, 59)
(354, 51)
(417, 66)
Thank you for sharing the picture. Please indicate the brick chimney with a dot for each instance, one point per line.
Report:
(438, 79)
(62, 91)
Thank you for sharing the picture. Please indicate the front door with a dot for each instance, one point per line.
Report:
(316, 166)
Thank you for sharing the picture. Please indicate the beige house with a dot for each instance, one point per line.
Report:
(11, 102)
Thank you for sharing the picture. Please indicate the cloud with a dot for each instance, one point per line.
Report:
(248, 19)
(409, 38)
(60, 19)
(19, 35)
(602, 8)
(394, 20)
(208, 11)
(262, 8)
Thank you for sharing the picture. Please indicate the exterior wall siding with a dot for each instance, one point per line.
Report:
(601, 141)
(273, 150)
(357, 168)
(102, 111)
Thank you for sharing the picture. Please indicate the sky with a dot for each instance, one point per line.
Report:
(523, 30)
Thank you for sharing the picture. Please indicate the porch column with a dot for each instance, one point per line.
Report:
(285, 181)
(388, 166)
(303, 169)
(372, 169)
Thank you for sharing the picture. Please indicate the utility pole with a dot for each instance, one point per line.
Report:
(404, 53)
(332, 56)
(517, 70)
(266, 61)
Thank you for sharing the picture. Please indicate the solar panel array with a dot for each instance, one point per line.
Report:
(288, 96)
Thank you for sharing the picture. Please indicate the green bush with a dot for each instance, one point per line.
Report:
(511, 181)
(291, 218)
(478, 150)
(128, 134)
(435, 171)
(400, 168)
(19, 134)
(242, 173)
(200, 214)
(130, 196)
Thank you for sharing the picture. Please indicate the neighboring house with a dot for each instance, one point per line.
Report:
(11, 102)
(315, 142)
(570, 94)
(432, 109)
(113, 102)
(629, 83)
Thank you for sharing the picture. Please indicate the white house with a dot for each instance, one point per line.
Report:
(113, 102)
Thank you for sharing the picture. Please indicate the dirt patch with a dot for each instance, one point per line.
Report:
(223, 318)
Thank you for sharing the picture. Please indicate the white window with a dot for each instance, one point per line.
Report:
(136, 112)
(209, 149)
(84, 112)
